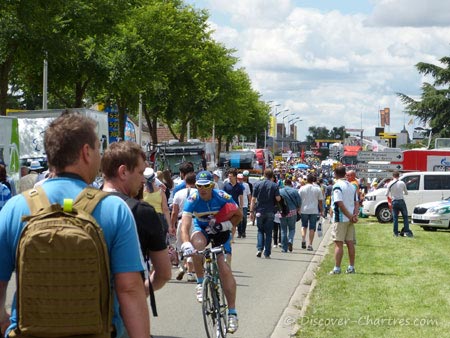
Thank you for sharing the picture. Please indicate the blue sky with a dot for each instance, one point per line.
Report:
(334, 62)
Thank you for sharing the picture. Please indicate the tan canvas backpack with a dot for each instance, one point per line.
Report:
(63, 275)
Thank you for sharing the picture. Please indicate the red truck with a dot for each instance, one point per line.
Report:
(425, 160)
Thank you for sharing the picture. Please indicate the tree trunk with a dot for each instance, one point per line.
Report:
(122, 118)
(219, 149)
(80, 89)
(5, 69)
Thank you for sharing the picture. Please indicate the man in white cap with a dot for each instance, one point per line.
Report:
(217, 176)
(246, 202)
(28, 181)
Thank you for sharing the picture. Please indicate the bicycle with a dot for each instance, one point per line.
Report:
(214, 305)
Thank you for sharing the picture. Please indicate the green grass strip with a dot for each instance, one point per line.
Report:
(401, 287)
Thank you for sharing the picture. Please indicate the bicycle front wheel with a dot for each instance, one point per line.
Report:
(215, 326)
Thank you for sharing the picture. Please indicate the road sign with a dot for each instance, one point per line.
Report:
(387, 166)
(366, 156)
(381, 174)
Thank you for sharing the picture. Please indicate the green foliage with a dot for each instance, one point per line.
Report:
(434, 105)
(337, 133)
(114, 52)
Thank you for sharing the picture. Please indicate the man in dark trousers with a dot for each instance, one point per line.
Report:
(262, 208)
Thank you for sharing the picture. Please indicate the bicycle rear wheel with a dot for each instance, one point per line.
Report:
(215, 327)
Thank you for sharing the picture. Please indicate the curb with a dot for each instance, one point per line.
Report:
(287, 326)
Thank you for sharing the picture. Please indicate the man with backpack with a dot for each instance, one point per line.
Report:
(123, 165)
(89, 230)
(287, 224)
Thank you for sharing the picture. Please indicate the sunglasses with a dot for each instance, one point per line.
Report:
(204, 186)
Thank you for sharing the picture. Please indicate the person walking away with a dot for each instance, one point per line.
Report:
(345, 215)
(276, 236)
(262, 207)
(204, 205)
(235, 190)
(396, 190)
(177, 212)
(73, 149)
(242, 227)
(292, 197)
(311, 209)
(28, 181)
(123, 165)
(156, 197)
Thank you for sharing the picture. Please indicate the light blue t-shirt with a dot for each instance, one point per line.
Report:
(112, 214)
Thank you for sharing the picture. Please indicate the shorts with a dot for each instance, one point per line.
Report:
(343, 231)
(221, 238)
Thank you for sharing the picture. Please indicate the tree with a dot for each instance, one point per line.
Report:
(434, 105)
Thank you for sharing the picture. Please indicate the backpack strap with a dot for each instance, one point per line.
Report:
(88, 199)
(133, 205)
(37, 199)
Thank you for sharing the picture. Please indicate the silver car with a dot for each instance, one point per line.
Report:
(433, 215)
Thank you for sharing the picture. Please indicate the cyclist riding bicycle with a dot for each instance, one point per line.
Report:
(204, 204)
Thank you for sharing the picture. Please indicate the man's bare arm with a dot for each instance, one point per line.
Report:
(133, 303)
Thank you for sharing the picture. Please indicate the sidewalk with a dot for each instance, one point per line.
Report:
(287, 325)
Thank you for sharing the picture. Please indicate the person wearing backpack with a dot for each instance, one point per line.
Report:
(287, 225)
(73, 149)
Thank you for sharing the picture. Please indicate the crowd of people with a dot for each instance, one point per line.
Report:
(145, 213)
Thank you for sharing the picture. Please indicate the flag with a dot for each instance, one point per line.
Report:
(387, 116)
(303, 155)
(382, 120)
(411, 122)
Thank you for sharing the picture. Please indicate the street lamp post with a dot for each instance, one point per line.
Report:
(283, 131)
(294, 120)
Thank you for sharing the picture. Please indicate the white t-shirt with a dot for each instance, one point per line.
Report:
(311, 195)
(246, 193)
(180, 197)
(343, 191)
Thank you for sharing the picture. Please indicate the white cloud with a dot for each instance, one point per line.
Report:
(334, 69)
(415, 13)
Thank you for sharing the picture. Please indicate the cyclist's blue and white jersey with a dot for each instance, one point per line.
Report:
(205, 210)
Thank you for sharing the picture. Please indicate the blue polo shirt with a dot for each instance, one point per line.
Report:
(265, 192)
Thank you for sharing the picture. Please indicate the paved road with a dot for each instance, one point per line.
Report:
(265, 288)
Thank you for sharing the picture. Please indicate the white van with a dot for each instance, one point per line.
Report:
(425, 186)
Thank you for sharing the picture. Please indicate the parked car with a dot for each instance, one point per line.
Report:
(423, 187)
(432, 215)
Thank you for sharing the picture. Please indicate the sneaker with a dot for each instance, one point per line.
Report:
(258, 254)
(290, 247)
(274, 246)
(180, 274)
(409, 234)
(335, 272)
(239, 236)
(191, 277)
(199, 293)
(303, 245)
(244, 235)
(395, 234)
(233, 323)
(267, 257)
(310, 248)
(350, 269)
